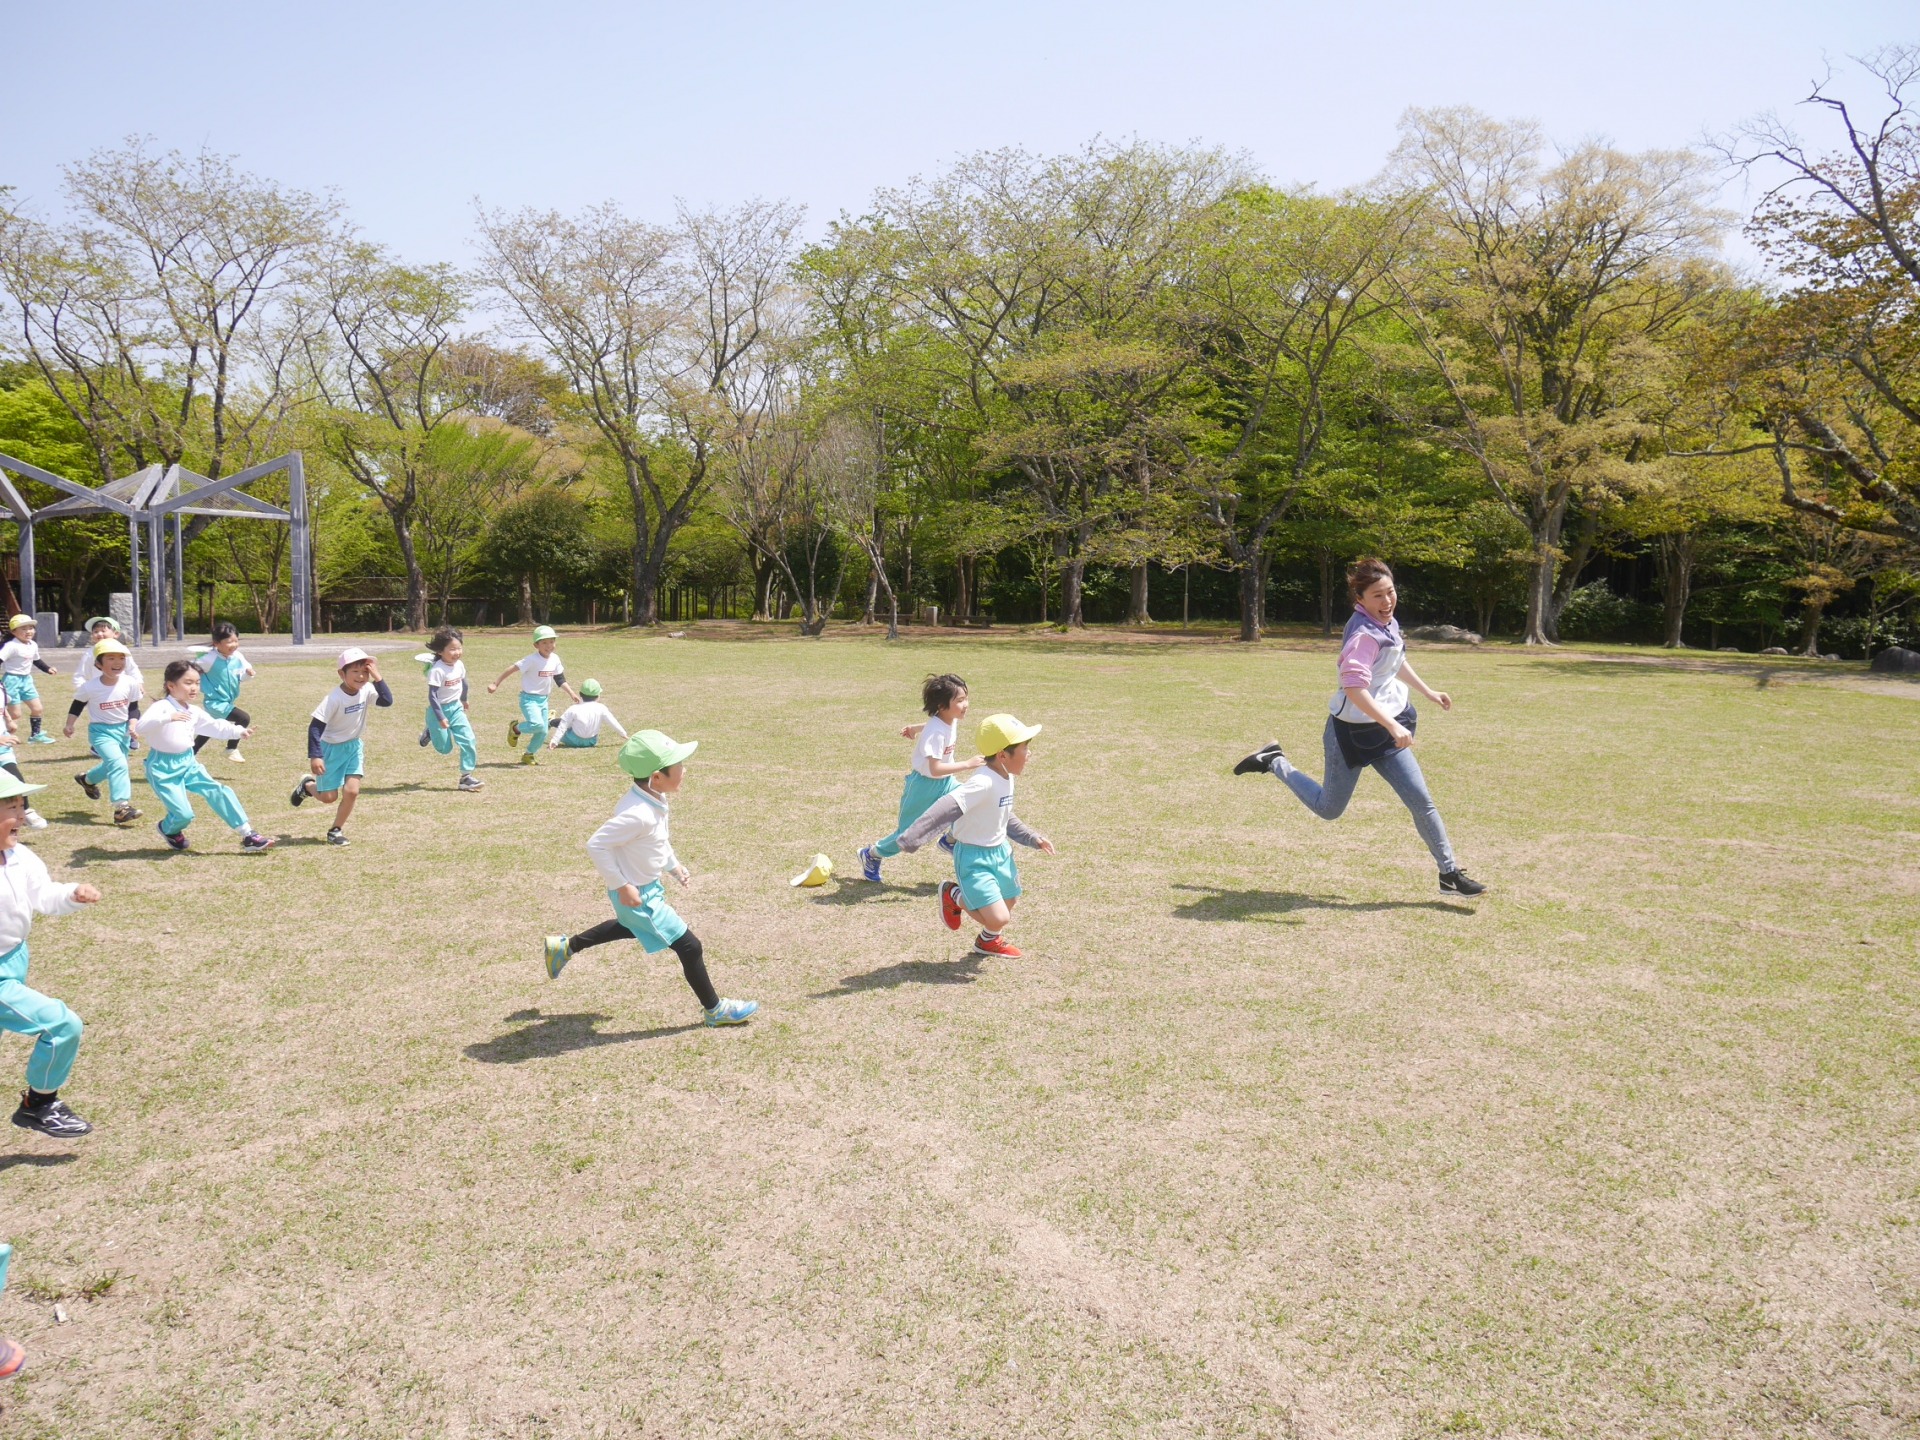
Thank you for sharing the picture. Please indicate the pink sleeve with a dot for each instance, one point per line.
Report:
(1356, 661)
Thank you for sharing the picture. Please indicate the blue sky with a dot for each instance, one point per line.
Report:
(411, 108)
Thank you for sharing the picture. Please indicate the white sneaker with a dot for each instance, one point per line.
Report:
(236, 757)
(35, 820)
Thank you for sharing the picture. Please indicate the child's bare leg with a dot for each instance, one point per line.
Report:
(993, 918)
(349, 793)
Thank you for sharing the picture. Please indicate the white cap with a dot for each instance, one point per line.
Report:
(353, 655)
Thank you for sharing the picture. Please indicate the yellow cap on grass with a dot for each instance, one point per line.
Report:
(1001, 732)
(819, 870)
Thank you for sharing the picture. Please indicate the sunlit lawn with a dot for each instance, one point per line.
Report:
(1263, 1137)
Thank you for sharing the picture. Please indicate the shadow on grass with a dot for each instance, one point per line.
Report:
(963, 971)
(1762, 672)
(399, 788)
(37, 1162)
(558, 1035)
(87, 854)
(1214, 903)
(859, 892)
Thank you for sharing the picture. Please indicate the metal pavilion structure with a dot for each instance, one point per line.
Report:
(156, 503)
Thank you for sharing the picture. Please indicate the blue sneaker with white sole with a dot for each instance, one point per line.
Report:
(869, 864)
(946, 842)
(732, 1012)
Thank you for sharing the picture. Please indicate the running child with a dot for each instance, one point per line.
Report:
(26, 889)
(19, 658)
(631, 852)
(104, 627)
(10, 764)
(221, 670)
(578, 727)
(335, 752)
(539, 673)
(981, 814)
(12, 1354)
(111, 701)
(173, 770)
(447, 723)
(944, 698)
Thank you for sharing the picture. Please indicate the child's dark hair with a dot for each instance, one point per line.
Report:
(223, 630)
(940, 691)
(176, 669)
(1365, 573)
(442, 638)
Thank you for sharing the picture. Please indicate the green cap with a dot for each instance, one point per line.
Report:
(590, 689)
(10, 787)
(646, 752)
(544, 632)
(106, 620)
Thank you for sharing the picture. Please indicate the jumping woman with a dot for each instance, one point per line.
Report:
(1372, 723)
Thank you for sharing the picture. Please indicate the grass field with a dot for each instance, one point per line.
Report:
(1263, 1137)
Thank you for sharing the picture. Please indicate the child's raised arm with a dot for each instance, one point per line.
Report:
(503, 677)
(940, 769)
(912, 732)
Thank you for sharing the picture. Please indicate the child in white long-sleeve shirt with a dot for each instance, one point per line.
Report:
(631, 852)
(175, 772)
(578, 727)
(26, 889)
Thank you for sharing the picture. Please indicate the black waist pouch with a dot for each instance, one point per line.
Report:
(1363, 743)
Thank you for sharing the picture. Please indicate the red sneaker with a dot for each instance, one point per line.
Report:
(998, 945)
(950, 910)
(12, 1357)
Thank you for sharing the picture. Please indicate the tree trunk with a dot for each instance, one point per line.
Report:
(763, 581)
(1570, 567)
(1249, 602)
(416, 578)
(1673, 554)
(1325, 556)
(1260, 568)
(1539, 598)
(1071, 576)
(1811, 618)
(1137, 597)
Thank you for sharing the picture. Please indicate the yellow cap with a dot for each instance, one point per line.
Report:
(819, 870)
(1001, 732)
(17, 621)
(110, 647)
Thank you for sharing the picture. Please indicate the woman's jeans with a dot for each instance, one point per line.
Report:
(1328, 799)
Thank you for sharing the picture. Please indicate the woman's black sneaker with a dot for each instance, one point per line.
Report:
(1458, 882)
(1261, 759)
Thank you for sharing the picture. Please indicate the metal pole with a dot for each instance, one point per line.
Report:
(179, 582)
(29, 595)
(302, 551)
(133, 573)
(156, 580)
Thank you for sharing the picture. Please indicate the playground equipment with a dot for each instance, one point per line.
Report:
(155, 503)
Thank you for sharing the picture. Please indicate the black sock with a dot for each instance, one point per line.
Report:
(600, 934)
(694, 966)
(36, 724)
(39, 1100)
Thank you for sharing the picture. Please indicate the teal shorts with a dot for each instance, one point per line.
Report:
(20, 689)
(653, 922)
(986, 874)
(571, 741)
(341, 760)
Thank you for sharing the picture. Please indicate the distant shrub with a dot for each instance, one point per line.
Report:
(1594, 612)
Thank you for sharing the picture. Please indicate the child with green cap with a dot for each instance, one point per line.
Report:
(19, 658)
(26, 890)
(539, 673)
(447, 723)
(578, 727)
(631, 852)
(111, 702)
(987, 881)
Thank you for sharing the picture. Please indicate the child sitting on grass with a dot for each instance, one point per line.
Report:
(221, 670)
(26, 889)
(981, 814)
(19, 658)
(631, 852)
(539, 673)
(578, 727)
(335, 752)
(944, 698)
(447, 723)
(111, 701)
(175, 772)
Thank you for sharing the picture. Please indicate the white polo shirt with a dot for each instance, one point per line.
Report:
(344, 716)
(986, 800)
(537, 672)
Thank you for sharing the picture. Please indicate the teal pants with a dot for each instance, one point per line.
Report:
(571, 741)
(534, 723)
(176, 779)
(109, 742)
(457, 731)
(916, 798)
(55, 1029)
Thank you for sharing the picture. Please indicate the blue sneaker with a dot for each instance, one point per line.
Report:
(732, 1012)
(558, 953)
(869, 864)
(946, 842)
